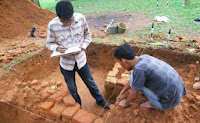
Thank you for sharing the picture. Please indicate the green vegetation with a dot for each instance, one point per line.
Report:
(188, 52)
(20, 58)
(5, 67)
(182, 17)
(13, 62)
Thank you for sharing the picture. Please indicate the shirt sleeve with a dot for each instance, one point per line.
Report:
(51, 39)
(87, 35)
(138, 80)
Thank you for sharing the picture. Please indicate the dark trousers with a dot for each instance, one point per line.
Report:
(86, 76)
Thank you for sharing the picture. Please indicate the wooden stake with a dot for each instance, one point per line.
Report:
(168, 37)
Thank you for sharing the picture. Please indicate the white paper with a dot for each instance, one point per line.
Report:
(162, 19)
(68, 51)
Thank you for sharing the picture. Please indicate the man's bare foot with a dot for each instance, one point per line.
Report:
(147, 105)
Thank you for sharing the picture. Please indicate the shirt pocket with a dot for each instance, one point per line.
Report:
(63, 39)
(79, 36)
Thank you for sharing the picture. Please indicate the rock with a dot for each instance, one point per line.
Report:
(196, 40)
(1, 54)
(182, 38)
(128, 40)
(196, 78)
(159, 36)
(191, 49)
(196, 85)
(142, 42)
(136, 111)
(157, 44)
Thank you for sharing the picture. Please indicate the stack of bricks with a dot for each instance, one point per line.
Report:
(116, 79)
(54, 104)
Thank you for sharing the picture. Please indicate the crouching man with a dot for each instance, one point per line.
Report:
(157, 80)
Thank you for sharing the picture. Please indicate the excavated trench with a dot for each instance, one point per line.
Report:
(42, 68)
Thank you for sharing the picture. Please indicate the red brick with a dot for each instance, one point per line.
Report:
(66, 120)
(57, 110)
(45, 84)
(115, 69)
(79, 115)
(58, 96)
(69, 100)
(125, 75)
(88, 118)
(34, 82)
(123, 81)
(45, 95)
(50, 91)
(69, 112)
(46, 105)
(117, 65)
(111, 80)
(59, 83)
(99, 120)
(113, 73)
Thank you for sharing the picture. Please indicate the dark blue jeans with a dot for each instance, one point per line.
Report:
(86, 76)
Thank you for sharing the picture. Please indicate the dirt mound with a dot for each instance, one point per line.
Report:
(18, 16)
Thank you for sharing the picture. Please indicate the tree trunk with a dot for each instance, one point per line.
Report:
(36, 2)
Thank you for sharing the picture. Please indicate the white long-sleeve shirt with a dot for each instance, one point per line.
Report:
(78, 34)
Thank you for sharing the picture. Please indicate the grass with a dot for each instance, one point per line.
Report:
(182, 17)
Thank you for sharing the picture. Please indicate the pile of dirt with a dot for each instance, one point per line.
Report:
(19, 16)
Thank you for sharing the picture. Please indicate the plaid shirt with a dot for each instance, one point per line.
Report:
(78, 34)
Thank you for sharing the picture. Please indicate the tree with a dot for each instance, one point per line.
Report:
(36, 2)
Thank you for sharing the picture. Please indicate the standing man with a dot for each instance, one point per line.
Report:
(157, 80)
(71, 30)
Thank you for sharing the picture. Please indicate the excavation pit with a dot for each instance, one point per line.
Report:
(27, 85)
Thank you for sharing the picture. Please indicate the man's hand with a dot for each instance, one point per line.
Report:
(61, 49)
(123, 103)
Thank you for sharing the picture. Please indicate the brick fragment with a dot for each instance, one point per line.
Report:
(46, 105)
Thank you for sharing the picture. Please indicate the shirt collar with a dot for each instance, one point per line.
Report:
(74, 22)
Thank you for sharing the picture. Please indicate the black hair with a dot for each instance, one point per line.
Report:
(64, 9)
(124, 51)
